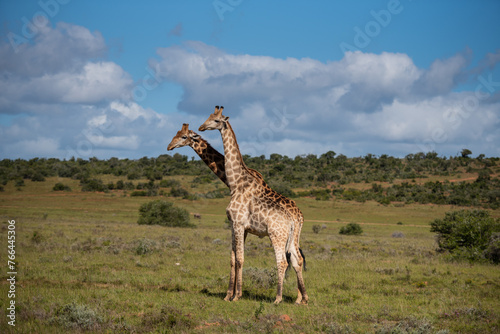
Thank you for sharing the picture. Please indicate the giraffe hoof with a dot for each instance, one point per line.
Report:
(301, 302)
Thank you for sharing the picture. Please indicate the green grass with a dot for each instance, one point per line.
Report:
(79, 270)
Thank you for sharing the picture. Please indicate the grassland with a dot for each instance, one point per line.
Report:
(85, 265)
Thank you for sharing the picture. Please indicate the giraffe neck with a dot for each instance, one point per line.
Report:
(234, 164)
(211, 157)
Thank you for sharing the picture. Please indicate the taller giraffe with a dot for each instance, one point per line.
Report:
(215, 161)
(255, 208)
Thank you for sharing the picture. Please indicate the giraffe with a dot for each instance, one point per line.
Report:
(255, 208)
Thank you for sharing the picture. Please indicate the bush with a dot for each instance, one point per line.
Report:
(137, 193)
(145, 246)
(93, 185)
(178, 191)
(37, 177)
(316, 228)
(160, 212)
(492, 252)
(77, 316)
(61, 187)
(351, 229)
(467, 234)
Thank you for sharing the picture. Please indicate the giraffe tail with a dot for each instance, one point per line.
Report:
(288, 259)
(290, 238)
(303, 258)
(288, 244)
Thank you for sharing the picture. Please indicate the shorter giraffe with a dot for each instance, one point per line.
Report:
(209, 155)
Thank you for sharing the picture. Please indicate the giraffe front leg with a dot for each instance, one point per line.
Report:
(239, 238)
(232, 276)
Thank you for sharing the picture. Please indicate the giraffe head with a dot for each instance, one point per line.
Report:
(215, 121)
(184, 137)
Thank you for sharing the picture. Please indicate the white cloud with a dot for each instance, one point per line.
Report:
(93, 83)
(377, 101)
(58, 68)
(132, 110)
(71, 101)
(53, 50)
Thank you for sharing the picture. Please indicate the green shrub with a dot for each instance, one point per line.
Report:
(137, 193)
(145, 246)
(93, 185)
(178, 191)
(492, 252)
(61, 187)
(120, 185)
(170, 183)
(160, 212)
(467, 233)
(316, 229)
(78, 317)
(351, 229)
(37, 177)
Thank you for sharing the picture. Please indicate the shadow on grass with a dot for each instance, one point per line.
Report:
(249, 295)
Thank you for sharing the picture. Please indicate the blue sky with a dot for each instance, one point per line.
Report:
(118, 78)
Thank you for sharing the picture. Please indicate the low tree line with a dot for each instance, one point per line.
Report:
(322, 177)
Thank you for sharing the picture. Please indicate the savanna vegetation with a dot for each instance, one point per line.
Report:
(92, 254)
(417, 178)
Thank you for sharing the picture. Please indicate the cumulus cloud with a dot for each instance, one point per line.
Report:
(59, 67)
(382, 101)
(61, 48)
(70, 101)
(67, 99)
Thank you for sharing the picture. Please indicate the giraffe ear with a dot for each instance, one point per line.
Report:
(195, 136)
(226, 118)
